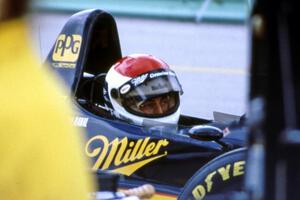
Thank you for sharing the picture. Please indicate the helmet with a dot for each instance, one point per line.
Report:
(141, 88)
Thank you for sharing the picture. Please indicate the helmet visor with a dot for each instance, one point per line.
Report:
(158, 106)
(157, 94)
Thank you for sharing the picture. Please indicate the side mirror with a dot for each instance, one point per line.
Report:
(209, 133)
(206, 133)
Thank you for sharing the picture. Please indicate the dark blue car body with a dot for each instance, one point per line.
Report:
(163, 155)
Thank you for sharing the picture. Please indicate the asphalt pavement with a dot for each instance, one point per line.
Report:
(211, 59)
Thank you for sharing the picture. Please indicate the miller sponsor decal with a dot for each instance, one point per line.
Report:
(124, 156)
(139, 80)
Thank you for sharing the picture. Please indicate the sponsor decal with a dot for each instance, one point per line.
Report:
(67, 48)
(224, 173)
(125, 89)
(80, 121)
(64, 65)
(124, 156)
(163, 73)
(138, 80)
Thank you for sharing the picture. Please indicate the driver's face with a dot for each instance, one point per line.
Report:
(157, 105)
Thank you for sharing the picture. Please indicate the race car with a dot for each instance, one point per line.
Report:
(190, 161)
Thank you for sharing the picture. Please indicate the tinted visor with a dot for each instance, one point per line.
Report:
(155, 95)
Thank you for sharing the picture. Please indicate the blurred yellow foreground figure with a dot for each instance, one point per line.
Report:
(39, 148)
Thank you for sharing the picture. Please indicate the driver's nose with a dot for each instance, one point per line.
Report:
(158, 107)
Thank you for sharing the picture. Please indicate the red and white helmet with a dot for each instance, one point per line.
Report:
(135, 82)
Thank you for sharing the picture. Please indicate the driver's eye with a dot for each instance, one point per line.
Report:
(164, 100)
(147, 105)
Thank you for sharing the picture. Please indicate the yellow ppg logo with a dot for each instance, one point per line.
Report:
(67, 48)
